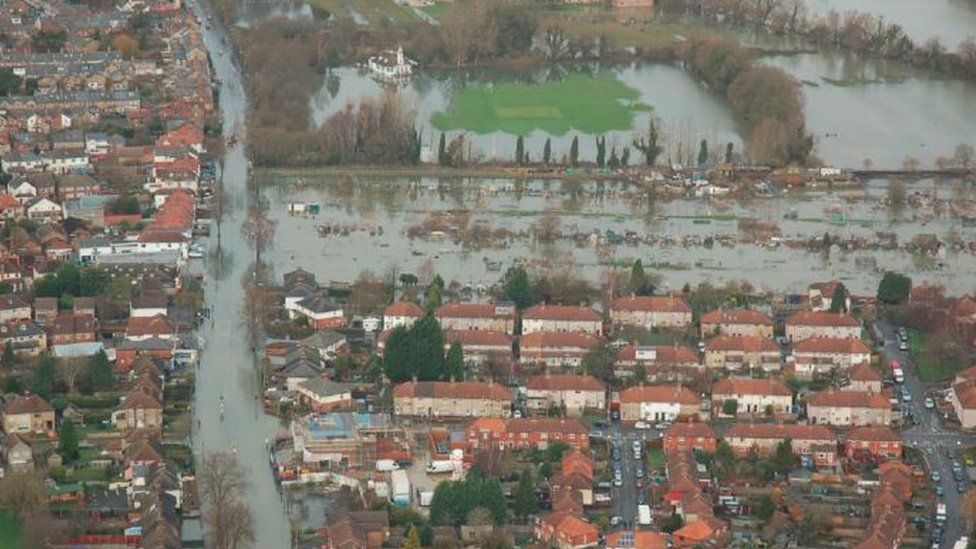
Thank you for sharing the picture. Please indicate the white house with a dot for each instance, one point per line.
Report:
(43, 208)
(22, 190)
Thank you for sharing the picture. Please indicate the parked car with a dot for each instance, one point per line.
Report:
(961, 487)
(936, 477)
(929, 403)
(663, 426)
(642, 425)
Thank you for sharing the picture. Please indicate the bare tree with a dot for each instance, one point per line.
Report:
(23, 492)
(228, 518)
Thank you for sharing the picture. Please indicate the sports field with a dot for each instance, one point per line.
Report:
(587, 104)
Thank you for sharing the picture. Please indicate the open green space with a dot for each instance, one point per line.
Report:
(930, 370)
(437, 10)
(9, 530)
(587, 104)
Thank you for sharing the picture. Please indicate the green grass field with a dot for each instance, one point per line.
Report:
(9, 530)
(931, 371)
(582, 103)
(438, 10)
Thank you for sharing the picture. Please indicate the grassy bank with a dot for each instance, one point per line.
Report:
(9, 530)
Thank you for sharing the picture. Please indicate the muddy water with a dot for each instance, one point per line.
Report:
(949, 20)
(857, 110)
(396, 205)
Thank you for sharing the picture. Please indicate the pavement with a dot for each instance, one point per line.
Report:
(935, 441)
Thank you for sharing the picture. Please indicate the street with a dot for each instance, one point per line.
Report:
(227, 372)
(625, 496)
(929, 436)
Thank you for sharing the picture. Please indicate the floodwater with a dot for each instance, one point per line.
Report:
(227, 368)
(857, 110)
(882, 111)
(949, 20)
(688, 113)
(374, 217)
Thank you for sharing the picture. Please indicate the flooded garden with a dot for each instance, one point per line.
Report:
(470, 231)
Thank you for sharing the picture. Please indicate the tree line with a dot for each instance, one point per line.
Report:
(766, 99)
(852, 31)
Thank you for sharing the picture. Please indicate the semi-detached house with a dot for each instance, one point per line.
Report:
(401, 313)
(498, 317)
(527, 433)
(752, 396)
(736, 322)
(658, 403)
(742, 352)
(650, 312)
(577, 393)
(817, 441)
(556, 349)
(807, 324)
(819, 355)
(442, 399)
(879, 441)
(844, 408)
(561, 318)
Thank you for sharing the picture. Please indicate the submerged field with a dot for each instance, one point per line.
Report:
(587, 104)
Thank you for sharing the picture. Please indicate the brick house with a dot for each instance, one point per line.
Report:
(556, 349)
(577, 393)
(658, 403)
(819, 355)
(324, 395)
(864, 378)
(561, 318)
(142, 328)
(479, 346)
(138, 410)
(70, 327)
(753, 396)
(28, 414)
(878, 441)
(438, 399)
(650, 312)
(320, 311)
(566, 530)
(807, 324)
(735, 353)
(401, 313)
(661, 363)
(25, 338)
(527, 433)
(736, 322)
(685, 437)
(845, 408)
(818, 441)
(499, 317)
(14, 307)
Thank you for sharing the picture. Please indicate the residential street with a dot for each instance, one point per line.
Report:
(930, 437)
(227, 369)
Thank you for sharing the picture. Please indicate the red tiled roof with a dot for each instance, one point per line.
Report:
(545, 425)
(791, 431)
(138, 400)
(470, 310)
(558, 339)
(561, 312)
(749, 386)
(849, 399)
(744, 343)
(660, 304)
(659, 393)
(737, 316)
(964, 306)
(690, 430)
(642, 539)
(823, 319)
(831, 345)
(874, 434)
(404, 308)
(157, 325)
(565, 382)
(570, 525)
(8, 202)
(73, 323)
(27, 404)
(864, 372)
(452, 390)
(478, 337)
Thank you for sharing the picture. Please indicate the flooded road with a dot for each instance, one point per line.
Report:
(227, 367)
(471, 231)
